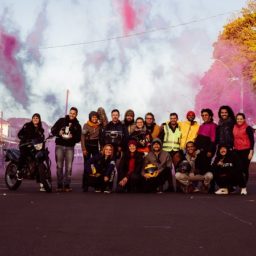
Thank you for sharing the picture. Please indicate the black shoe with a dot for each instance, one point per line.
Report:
(107, 190)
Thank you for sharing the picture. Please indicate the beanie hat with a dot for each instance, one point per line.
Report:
(191, 113)
(129, 112)
(132, 142)
(158, 141)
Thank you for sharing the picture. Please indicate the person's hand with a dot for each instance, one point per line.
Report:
(209, 154)
(84, 152)
(106, 178)
(220, 163)
(250, 155)
(123, 182)
(61, 132)
(146, 176)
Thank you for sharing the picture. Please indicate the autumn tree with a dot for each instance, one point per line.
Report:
(231, 79)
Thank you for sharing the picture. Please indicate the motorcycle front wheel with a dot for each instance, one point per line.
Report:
(11, 180)
(45, 177)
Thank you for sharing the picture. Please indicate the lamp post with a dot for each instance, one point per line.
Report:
(235, 78)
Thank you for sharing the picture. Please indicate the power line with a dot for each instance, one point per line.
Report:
(138, 33)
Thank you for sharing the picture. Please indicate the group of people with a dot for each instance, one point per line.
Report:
(137, 155)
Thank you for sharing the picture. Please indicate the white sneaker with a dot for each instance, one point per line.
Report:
(244, 191)
(222, 191)
(42, 189)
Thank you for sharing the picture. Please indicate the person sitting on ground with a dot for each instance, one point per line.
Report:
(157, 168)
(227, 171)
(99, 171)
(129, 173)
(190, 174)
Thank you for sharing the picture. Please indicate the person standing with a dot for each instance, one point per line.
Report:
(90, 139)
(224, 131)
(243, 143)
(205, 140)
(114, 133)
(189, 129)
(151, 125)
(68, 132)
(90, 136)
(170, 136)
(128, 121)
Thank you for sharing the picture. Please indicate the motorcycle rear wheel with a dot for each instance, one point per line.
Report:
(11, 180)
(45, 177)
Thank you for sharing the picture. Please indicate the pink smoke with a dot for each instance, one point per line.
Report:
(35, 38)
(11, 70)
(225, 82)
(129, 14)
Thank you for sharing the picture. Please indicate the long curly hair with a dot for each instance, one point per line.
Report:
(102, 116)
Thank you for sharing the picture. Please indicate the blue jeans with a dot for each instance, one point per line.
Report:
(64, 154)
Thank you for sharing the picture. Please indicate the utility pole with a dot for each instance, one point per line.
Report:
(66, 109)
(1, 128)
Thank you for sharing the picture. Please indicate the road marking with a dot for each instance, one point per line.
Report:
(236, 218)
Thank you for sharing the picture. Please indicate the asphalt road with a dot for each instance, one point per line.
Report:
(77, 223)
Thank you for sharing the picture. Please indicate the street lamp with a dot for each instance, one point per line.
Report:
(235, 78)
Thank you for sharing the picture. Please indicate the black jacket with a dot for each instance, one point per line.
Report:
(29, 132)
(224, 133)
(75, 130)
(124, 164)
(103, 166)
(114, 134)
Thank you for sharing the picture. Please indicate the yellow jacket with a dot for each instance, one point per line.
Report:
(188, 132)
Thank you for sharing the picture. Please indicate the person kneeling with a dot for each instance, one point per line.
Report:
(157, 168)
(99, 171)
(227, 171)
(191, 176)
(129, 173)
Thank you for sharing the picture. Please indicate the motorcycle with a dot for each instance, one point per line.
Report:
(37, 166)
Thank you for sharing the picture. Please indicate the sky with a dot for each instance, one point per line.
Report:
(86, 47)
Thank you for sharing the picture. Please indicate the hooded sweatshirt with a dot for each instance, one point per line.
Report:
(160, 159)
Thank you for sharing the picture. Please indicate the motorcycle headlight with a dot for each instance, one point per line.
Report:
(38, 146)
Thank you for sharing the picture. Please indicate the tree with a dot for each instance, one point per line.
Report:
(231, 80)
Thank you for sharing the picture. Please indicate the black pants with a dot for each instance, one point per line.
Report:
(24, 154)
(244, 161)
(133, 185)
(229, 177)
(96, 182)
(92, 150)
(150, 185)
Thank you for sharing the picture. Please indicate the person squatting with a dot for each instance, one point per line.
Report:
(137, 155)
